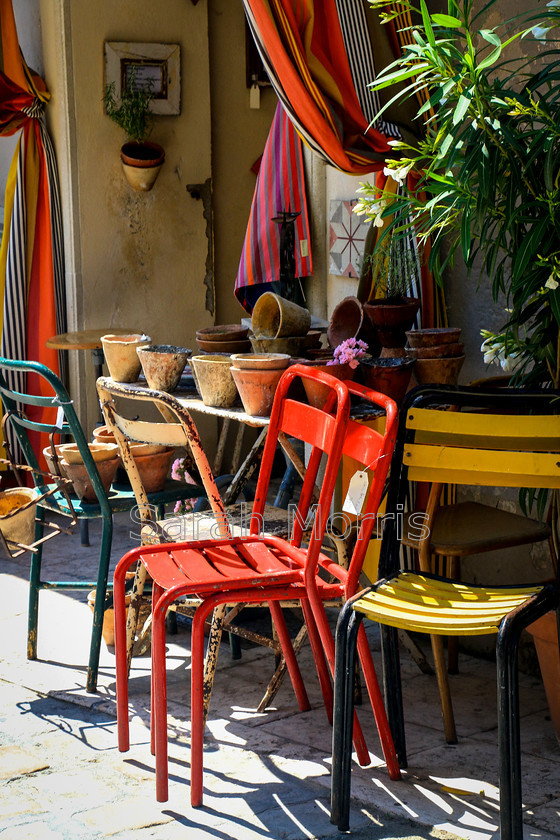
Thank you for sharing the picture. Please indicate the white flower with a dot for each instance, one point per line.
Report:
(553, 4)
(399, 174)
(378, 221)
(539, 32)
(509, 363)
(551, 283)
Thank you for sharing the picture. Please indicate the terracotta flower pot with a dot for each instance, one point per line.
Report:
(438, 351)
(545, 636)
(214, 380)
(141, 163)
(163, 365)
(432, 336)
(100, 451)
(121, 356)
(256, 389)
(348, 320)
(442, 371)
(78, 475)
(317, 392)
(390, 376)
(275, 317)
(16, 524)
(392, 319)
(291, 345)
(153, 466)
(260, 361)
(108, 629)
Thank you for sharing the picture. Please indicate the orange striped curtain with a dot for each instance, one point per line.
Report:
(32, 294)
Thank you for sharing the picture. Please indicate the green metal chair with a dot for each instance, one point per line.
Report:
(17, 404)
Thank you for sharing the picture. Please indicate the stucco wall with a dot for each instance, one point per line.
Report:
(133, 259)
(238, 137)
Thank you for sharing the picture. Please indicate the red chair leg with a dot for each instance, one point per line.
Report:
(319, 657)
(197, 703)
(376, 700)
(159, 696)
(157, 592)
(321, 622)
(121, 658)
(289, 655)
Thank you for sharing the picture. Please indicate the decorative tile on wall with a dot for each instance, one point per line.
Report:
(347, 234)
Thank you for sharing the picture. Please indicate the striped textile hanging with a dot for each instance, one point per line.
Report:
(31, 253)
(319, 58)
(280, 186)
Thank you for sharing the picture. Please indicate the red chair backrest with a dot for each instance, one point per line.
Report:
(324, 430)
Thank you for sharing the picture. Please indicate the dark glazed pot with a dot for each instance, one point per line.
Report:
(390, 376)
(392, 319)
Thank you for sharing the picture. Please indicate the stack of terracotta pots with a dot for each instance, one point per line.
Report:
(280, 326)
(224, 338)
(438, 355)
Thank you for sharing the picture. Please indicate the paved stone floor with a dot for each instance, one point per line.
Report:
(266, 775)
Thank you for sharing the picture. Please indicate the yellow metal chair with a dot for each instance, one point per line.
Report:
(506, 438)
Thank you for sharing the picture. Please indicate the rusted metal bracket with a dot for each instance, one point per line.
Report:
(203, 192)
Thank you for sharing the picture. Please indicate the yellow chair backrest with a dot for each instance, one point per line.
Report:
(499, 450)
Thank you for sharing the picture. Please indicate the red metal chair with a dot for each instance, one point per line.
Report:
(267, 570)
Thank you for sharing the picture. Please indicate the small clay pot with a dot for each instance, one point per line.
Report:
(79, 476)
(260, 361)
(438, 351)
(163, 365)
(317, 392)
(101, 434)
(228, 346)
(224, 332)
(389, 376)
(99, 452)
(433, 336)
(47, 455)
(392, 319)
(275, 317)
(153, 468)
(442, 371)
(346, 321)
(141, 163)
(18, 526)
(256, 389)
(214, 380)
(121, 356)
(291, 346)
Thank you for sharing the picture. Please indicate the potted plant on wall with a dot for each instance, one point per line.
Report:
(141, 158)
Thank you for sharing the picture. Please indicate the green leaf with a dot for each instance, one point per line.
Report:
(490, 36)
(461, 109)
(427, 24)
(448, 21)
(490, 59)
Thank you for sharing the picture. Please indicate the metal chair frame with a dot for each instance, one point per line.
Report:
(265, 569)
(54, 395)
(504, 610)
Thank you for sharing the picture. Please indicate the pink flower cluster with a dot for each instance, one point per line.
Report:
(349, 353)
(179, 473)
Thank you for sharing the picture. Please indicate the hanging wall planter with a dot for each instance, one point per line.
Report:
(141, 163)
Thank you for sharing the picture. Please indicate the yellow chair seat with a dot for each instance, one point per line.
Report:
(417, 602)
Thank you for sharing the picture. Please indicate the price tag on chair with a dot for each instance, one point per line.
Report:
(357, 492)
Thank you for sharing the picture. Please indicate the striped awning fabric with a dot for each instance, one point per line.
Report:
(31, 254)
(319, 58)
